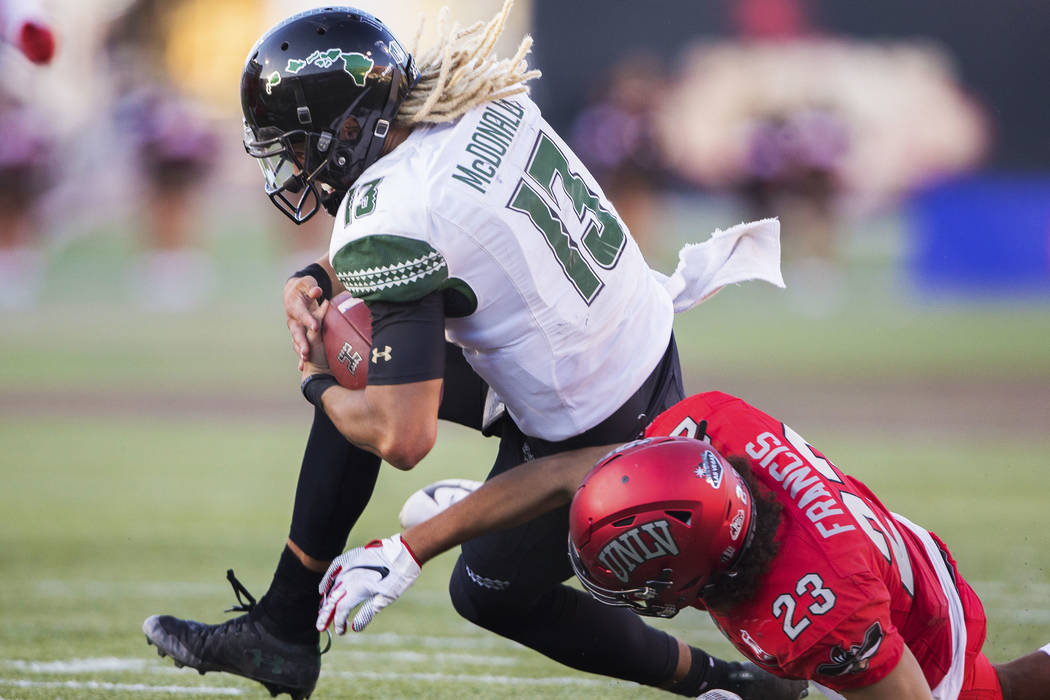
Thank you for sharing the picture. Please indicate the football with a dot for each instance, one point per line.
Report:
(428, 501)
(347, 335)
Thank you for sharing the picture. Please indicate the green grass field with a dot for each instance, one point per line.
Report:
(143, 455)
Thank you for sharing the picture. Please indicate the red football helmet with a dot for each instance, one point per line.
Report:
(654, 520)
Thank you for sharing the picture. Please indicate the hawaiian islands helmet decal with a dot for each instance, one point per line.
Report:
(357, 66)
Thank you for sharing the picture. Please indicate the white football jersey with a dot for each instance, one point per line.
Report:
(546, 291)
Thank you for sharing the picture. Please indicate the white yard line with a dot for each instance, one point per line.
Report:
(101, 664)
(123, 589)
(395, 639)
(113, 664)
(470, 678)
(409, 657)
(1034, 590)
(1025, 616)
(123, 687)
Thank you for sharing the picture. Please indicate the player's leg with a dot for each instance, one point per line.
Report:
(510, 581)
(275, 642)
(336, 481)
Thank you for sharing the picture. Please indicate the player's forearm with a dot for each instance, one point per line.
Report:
(398, 423)
(350, 413)
(510, 499)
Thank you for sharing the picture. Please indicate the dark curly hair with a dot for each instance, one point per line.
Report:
(729, 588)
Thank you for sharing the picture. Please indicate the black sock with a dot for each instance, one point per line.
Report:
(705, 672)
(335, 484)
(289, 608)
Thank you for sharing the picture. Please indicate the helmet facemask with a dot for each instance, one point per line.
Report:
(289, 171)
(644, 600)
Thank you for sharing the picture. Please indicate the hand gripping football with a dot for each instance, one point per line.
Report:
(347, 338)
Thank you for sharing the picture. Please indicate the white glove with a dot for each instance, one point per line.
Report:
(719, 695)
(375, 575)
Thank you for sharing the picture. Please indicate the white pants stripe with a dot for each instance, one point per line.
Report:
(951, 685)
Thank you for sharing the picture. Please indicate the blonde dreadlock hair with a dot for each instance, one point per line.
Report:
(459, 72)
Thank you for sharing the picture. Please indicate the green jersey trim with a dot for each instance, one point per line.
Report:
(390, 268)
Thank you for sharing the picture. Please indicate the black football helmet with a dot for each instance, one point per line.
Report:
(319, 93)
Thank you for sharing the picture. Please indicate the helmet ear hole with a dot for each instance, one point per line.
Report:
(683, 516)
(349, 130)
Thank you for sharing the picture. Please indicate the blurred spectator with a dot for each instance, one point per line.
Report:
(24, 169)
(173, 150)
(614, 137)
(24, 177)
(812, 129)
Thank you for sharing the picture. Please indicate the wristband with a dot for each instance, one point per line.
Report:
(317, 271)
(315, 385)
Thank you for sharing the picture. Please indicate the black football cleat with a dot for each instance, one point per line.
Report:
(241, 646)
(753, 683)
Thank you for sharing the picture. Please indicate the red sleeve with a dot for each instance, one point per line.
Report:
(861, 649)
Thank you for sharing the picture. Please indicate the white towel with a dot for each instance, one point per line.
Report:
(748, 251)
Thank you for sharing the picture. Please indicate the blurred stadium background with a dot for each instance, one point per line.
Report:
(150, 422)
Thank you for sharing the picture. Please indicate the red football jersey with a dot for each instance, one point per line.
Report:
(851, 584)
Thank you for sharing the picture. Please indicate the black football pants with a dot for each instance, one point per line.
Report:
(511, 581)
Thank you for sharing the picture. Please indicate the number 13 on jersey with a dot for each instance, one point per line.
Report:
(594, 226)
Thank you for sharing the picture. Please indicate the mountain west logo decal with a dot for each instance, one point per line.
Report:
(710, 469)
(356, 65)
(857, 658)
(626, 552)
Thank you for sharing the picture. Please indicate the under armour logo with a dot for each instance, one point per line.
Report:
(385, 354)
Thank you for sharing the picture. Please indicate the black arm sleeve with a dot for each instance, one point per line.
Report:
(408, 341)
